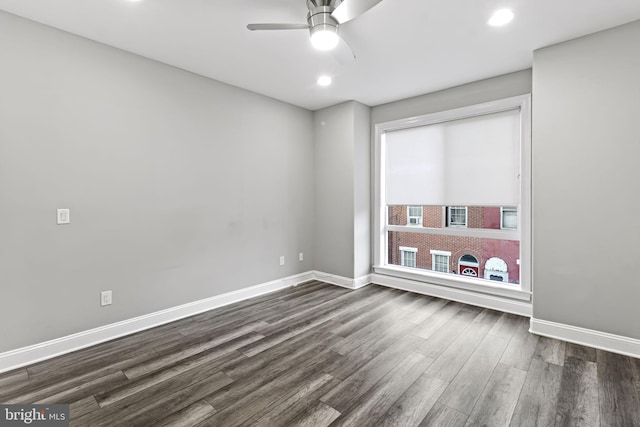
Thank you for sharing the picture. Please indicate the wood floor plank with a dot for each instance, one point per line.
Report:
(302, 289)
(316, 339)
(506, 325)
(51, 384)
(378, 297)
(372, 405)
(443, 337)
(354, 386)
(370, 332)
(82, 406)
(213, 359)
(188, 416)
(499, 398)
(449, 362)
(51, 393)
(538, 399)
(354, 360)
(619, 401)
(294, 309)
(158, 402)
(588, 354)
(550, 350)
(521, 348)
(91, 360)
(318, 415)
(636, 375)
(440, 311)
(282, 331)
(443, 416)
(488, 316)
(465, 389)
(414, 405)
(253, 404)
(578, 398)
(220, 345)
(295, 408)
(13, 377)
(308, 360)
(382, 307)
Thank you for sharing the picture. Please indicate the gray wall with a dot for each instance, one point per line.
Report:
(180, 187)
(586, 146)
(342, 162)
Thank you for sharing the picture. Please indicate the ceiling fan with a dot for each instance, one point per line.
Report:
(324, 19)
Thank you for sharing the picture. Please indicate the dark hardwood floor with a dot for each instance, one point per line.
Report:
(318, 355)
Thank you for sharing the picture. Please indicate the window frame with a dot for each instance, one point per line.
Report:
(523, 233)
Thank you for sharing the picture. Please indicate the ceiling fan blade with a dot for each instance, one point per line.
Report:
(343, 53)
(260, 27)
(350, 9)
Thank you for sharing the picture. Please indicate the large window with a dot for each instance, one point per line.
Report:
(456, 185)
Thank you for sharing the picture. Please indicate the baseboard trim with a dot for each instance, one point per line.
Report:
(482, 300)
(589, 337)
(24, 356)
(342, 281)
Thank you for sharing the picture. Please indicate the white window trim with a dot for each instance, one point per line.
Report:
(523, 102)
(419, 224)
(466, 217)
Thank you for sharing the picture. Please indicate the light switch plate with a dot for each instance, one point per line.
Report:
(64, 216)
(105, 298)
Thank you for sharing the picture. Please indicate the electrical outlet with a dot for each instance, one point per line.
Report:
(105, 298)
(300, 256)
(282, 260)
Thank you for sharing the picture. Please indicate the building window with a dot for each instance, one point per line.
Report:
(414, 215)
(508, 218)
(457, 216)
(408, 256)
(440, 261)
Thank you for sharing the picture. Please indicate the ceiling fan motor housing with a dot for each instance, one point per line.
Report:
(320, 19)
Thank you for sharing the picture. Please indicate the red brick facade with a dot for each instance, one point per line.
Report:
(480, 248)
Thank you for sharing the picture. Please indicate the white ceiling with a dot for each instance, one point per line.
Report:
(404, 47)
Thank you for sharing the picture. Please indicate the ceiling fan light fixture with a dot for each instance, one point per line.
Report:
(324, 37)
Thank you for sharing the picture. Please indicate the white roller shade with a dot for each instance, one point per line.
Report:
(466, 162)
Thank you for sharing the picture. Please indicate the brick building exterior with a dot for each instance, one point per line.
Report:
(421, 245)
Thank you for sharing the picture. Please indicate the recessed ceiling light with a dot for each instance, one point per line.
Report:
(500, 17)
(324, 81)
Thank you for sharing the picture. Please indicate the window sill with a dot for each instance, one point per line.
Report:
(455, 281)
